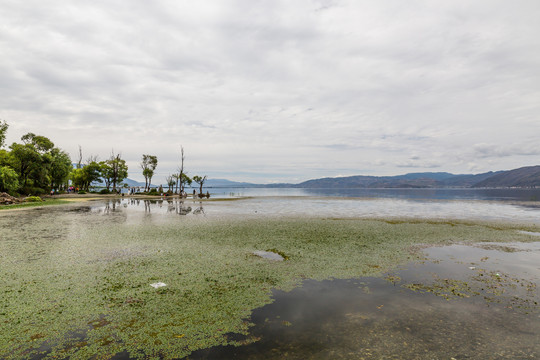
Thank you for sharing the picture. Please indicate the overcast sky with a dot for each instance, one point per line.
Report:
(278, 91)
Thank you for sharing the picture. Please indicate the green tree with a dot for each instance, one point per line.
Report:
(9, 180)
(60, 168)
(119, 169)
(3, 131)
(148, 165)
(184, 180)
(199, 180)
(171, 182)
(106, 172)
(25, 158)
(82, 178)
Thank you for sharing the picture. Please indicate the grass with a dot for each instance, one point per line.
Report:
(45, 202)
(68, 272)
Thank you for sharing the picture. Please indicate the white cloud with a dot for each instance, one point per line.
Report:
(273, 91)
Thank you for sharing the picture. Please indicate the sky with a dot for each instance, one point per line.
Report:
(277, 91)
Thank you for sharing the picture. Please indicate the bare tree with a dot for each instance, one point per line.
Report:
(79, 163)
(170, 182)
(180, 169)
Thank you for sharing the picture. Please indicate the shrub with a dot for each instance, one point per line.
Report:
(104, 191)
(33, 199)
(82, 192)
(153, 192)
(30, 190)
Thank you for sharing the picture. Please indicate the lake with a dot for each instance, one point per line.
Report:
(413, 275)
(422, 194)
(513, 205)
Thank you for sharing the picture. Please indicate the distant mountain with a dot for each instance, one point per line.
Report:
(133, 183)
(227, 183)
(413, 180)
(523, 177)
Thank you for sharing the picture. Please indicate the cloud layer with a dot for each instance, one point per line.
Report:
(270, 91)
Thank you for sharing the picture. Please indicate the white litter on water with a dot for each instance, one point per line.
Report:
(529, 233)
(158, 285)
(472, 267)
(268, 255)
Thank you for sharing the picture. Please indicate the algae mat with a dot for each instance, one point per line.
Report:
(77, 284)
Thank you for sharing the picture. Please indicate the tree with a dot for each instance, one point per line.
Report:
(119, 169)
(9, 180)
(106, 172)
(199, 180)
(185, 180)
(181, 168)
(82, 178)
(38, 163)
(25, 159)
(3, 130)
(148, 165)
(170, 182)
(41, 144)
(60, 168)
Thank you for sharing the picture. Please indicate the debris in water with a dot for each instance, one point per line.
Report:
(269, 255)
(158, 285)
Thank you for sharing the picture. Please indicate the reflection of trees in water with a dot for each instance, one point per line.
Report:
(172, 206)
(147, 206)
(199, 210)
(110, 206)
(181, 209)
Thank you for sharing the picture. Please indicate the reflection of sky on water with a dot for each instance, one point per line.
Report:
(425, 194)
(376, 318)
(322, 207)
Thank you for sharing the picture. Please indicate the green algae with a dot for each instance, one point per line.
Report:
(47, 202)
(66, 274)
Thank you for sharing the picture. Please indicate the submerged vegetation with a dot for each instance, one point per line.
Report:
(79, 284)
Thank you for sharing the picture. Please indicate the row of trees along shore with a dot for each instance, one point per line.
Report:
(37, 167)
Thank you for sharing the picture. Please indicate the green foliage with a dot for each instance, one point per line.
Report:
(148, 165)
(82, 178)
(88, 285)
(60, 167)
(82, 192)
(33, 199)
(38, 164)
(32, 190)
(200, 180)
(9, 180)
(105, 191)
(153, 191)
(3, 131)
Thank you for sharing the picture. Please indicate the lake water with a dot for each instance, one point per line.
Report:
(415, 312)
(478, 301)
(418, 194)
(494, 205)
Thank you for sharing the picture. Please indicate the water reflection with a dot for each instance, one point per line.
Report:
(159, 210)
(439, 309)
(133, 209)
(418, 194)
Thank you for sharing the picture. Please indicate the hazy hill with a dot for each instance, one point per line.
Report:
(413, 180)
(523, 177)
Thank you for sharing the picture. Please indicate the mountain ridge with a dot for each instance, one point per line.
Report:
(528, 176)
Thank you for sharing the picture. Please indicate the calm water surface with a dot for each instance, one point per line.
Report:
(423, 194)
(463, 302)
(135, 210)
